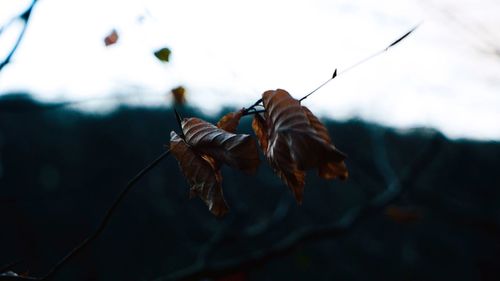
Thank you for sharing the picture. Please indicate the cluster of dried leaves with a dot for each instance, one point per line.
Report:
(292, 139)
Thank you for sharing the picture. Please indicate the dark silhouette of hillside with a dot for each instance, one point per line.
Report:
(60, 169)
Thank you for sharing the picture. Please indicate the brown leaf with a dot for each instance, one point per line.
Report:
(203, 177)
(329, 169)
(280, 158)
(285, 168)
(236, 150)
(403, 214)
(163, 54)
(259, 127)
(179, 95)
(295, 141)
(111, 39)
(230, 121)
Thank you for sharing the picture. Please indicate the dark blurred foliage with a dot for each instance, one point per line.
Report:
(60, 169)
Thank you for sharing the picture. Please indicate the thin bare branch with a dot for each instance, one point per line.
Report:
(25, 16)
(252, 112)
(320, 86)
(279, 214)
(335, 74)
(252, 107)
(104, 223)
(313, 233)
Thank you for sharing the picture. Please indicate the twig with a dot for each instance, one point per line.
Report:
(252, 112)
(312, 233)
(223, 233)
(25, 16)
(220, 234)
(320, 86)
(335, 74)
(252, 107)
(105, 221)
(279, 214)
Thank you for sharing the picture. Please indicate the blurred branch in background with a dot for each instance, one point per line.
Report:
(25, 17)
(278, 215)
(226, 232)
(395, 186)
(104, 223)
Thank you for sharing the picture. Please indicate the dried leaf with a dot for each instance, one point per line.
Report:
(111, 39)
(329, 169)
(203, 177)
(280, 158)
(259, 127)
(163, 54)
(230, 121)
(179, 95)
(296, 141)
(236, 150)
(280, 161)
(403, 214)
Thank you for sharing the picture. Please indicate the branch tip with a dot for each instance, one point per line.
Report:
(402, 37)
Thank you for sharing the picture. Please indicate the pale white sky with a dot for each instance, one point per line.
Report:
(225, 52)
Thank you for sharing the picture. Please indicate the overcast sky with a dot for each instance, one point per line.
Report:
(446, 75)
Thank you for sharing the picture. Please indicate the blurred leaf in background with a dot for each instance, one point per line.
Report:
(402, 214)
(111, 39)
(179, 95)
(163, 54)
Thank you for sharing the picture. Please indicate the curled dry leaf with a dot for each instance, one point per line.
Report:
(230, 121)
(201, 173)
(280, 159)
(294, 140)
(204, 148)
(236, 150)
(329, 169)
(111, 39)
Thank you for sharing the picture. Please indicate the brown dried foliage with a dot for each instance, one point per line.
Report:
(201, 173)
(291, 137)
(236, 150)
(179, 95)
(294, 140)
(111, 38)
(230, 121)
(332, 169)
(203, 150)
